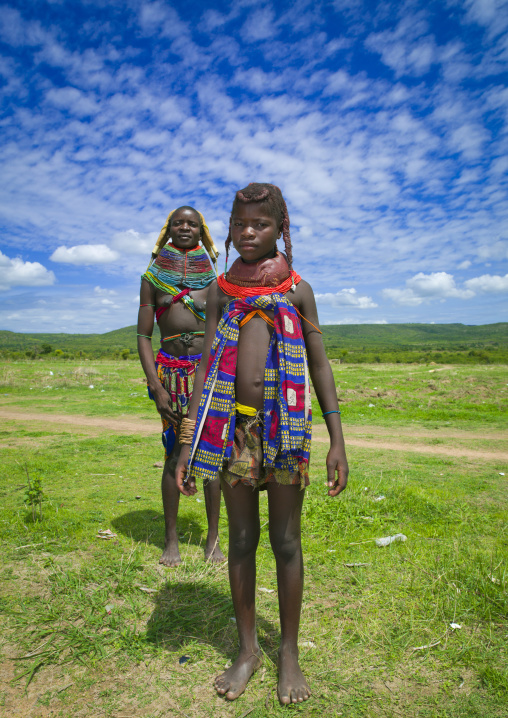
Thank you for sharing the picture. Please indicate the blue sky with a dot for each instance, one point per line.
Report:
(384, 123)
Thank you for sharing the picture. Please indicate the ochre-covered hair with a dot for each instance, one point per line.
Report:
(272, 200)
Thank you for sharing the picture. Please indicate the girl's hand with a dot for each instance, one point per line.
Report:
(187, 488)
(336, 463)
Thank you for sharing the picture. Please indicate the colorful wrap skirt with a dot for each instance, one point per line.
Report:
(246, 461)
(176, 374)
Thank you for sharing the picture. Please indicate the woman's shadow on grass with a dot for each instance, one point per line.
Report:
(145, 526)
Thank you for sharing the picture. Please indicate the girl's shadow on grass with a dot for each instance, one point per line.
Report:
(145, 526)
(190, 614)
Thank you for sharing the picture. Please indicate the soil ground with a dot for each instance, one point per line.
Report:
(388, 438)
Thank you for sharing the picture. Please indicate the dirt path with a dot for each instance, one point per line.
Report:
(361, 436)
(94, 424)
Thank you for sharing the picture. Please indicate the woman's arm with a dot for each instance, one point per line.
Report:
(324, 386)
(145, 329)
(212, 320)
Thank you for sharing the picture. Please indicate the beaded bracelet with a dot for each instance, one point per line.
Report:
(143, 335)
(334, 411)
(186, 431)
(147, 305)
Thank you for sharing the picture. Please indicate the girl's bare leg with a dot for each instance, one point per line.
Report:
(285, 509)
(242, 504)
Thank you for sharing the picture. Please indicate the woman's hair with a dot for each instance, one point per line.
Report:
(272, 200)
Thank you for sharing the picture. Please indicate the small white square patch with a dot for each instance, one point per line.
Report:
(288, 325)
(291, 397)
(224, 432)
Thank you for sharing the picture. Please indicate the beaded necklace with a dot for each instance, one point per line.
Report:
(182, 267)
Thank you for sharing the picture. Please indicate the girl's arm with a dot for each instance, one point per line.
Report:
(145, 329)
(324, 386)
(212, 320)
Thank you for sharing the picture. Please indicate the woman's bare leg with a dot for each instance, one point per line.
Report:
(213, 552)
(242, 504)
(170, 501)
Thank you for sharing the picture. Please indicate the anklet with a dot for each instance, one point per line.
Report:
(186, 431)
(334, 411)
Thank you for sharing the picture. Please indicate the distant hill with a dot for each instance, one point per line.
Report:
(100, 344)
(414, 336)
(359, 342)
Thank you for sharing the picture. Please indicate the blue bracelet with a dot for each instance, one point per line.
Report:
(334, 411)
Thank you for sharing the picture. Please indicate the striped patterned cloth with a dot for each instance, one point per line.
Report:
(287, 411)
(176, 374)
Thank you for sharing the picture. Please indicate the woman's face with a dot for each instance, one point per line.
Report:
(185, 228)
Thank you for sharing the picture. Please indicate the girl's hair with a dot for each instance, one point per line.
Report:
(271, 198)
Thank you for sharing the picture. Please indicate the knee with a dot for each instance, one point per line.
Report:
(243, 543)
(286, 547)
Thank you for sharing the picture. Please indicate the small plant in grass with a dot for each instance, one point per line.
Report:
(34, 494)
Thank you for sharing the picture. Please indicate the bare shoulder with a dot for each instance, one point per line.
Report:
(147, 290)
(302, 296)
(213, 291)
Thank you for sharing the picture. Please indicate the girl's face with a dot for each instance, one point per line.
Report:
(253, 231)
(185, 230)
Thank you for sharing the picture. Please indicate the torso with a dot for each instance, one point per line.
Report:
(253, 342)
(179, 319)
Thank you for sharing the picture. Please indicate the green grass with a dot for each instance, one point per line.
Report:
(441, 396)
(96, 628)
(466, 397)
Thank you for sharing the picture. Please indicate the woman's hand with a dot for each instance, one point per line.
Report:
(186, 487)
(162, 400)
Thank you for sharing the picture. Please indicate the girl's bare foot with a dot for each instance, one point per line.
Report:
(233, 682)
(171, 555)
(292, 687)
(213, 552)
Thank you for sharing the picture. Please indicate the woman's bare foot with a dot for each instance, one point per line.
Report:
(171, 555)
(233, 682)
(213, 552)
(292, 687)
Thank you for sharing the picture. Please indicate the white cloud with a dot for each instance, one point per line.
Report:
(16, 273)
(427, 287)
(72, 100)
(132, 242)
(486, 12)
(464, 265)
(101, 292)
(494, 250)
(346, 297)
(385, 173)
(437, 284)
(488, 284)
(260, 26)
(85, 254)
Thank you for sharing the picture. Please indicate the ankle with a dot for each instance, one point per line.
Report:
(247, 651)
(288, 649)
